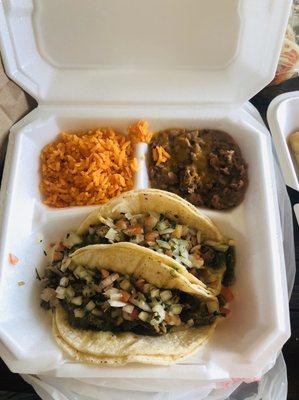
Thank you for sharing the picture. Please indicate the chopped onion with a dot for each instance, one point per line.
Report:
(77, 300)
(111, 291)
(155, 292)
(125, 284)
(183, 260)
(65, 264)
(129, 308)
(166, 295)
(183, 243)
(60, 292)
(184, 252)
(79, 313)
(139, 238)
(163, 244)
(141, 304)
(175, 309)
(144, 316)
(147, 288)
(48, 294)
(116, 303)
(64, 281)
(141, 296)
(70, 293)
(162, 225)
(116, 296)
(79, 272)
(154, 302)
(111, 234)
(106, 221)
(159, 315)
(90, 305)
(108, 281)
(96, 312)
(166, 231)
(71, 240)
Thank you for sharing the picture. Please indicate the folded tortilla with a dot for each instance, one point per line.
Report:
(99, 347)
(171, 205)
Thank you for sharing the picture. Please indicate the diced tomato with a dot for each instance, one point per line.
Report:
(57, 256)
(121, 224)
(60, 247)
(168, 253)
(140, 283)
(105, 273)
(125, 296)
(134, 313)
(135, 230)
(150, 221)
(227, 294)
(151, 236)
(225, 311)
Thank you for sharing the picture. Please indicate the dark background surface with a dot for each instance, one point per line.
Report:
(13, 386)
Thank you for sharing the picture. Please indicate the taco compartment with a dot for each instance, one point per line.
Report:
(121, 300)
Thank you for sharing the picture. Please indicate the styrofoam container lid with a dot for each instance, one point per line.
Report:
(140, 51)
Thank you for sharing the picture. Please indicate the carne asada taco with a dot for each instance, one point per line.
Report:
(167, 224)
(122, 303)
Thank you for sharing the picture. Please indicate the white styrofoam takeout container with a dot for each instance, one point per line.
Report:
(177, 64)
(283, 120)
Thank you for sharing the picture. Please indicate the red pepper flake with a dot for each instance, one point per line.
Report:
(12, 259)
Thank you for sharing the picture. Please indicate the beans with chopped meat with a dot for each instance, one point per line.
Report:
(205, 167)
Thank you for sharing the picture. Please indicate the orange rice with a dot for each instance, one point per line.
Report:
(87, 168)
(140, 132)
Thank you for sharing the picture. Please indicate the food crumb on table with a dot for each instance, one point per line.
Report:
(12, 259)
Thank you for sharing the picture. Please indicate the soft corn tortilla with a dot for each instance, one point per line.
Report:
(162, 202)
(99, 347)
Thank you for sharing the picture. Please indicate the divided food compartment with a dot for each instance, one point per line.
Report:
(283, 119)
(202, 85)
(241, 346)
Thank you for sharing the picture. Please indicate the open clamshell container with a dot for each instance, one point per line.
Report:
(190, 64)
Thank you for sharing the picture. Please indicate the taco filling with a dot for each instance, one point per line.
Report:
(207, 260)
(102, 300)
